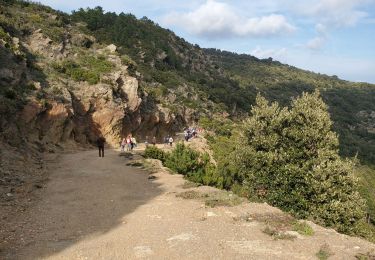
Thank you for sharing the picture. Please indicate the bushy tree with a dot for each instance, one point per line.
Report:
(184, 160)
(155, 153)
(290, 158)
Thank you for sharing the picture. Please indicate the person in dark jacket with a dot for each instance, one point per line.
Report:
(100, 142)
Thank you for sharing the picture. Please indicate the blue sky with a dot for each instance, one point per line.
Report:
(334, 37)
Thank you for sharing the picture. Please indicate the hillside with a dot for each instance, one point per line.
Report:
(179, 75)
(66, 79)
(232, 80)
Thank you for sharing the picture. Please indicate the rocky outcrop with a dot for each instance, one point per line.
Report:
(114, 107)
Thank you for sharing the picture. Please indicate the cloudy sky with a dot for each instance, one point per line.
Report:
(335, 37)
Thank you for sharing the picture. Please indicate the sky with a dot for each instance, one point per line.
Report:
(334, 37)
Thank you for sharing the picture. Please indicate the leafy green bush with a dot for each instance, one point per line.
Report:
(289, 157)
(184, 160)
(155, 153)
(87, 68)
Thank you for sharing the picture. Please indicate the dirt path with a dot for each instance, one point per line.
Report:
(99, 208)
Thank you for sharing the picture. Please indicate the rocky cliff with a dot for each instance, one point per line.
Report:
(58, 109)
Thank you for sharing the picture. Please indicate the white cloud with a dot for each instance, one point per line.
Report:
(321, 28)
(316, 43)
(338, 13)
(216, 19)
(278, 54)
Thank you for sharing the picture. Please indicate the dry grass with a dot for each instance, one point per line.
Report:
(189, 185)
(278, 225)
(276, 234)
(213, 199)
(223, 199)
(367, 256)
(138, 164)
(126, 154)
(191, 194)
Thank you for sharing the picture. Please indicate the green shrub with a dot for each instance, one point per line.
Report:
(184, 160)
(155, 153)
(87, 68)
(289, 157)
(218, 126)
(303, 228)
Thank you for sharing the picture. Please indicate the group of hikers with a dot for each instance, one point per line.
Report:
(190, 133)
(168, 140)
(128, 143)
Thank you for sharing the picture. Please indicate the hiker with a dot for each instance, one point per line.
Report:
(194, 133)
(146, 141)
(170, 141)
(186, 135)
(154, 141)
(123, 143)
(100, 142)
(128, 143)
(166, 141)
(133, 142)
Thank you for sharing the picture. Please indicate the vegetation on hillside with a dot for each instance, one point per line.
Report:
(287, 157)
(232, 80)
(281, 82)
(88, 68)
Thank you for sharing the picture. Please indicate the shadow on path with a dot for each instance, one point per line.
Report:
(85, 197)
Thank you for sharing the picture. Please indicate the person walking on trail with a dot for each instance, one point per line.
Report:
(123, 144)
(170, 141)
(146, 141)
(154, 141)
(166, 141)
(133, 142)
(128, 143)
(100, 142)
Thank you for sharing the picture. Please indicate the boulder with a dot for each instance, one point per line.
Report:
(111, 48)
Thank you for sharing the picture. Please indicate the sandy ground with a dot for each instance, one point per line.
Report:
(99, 208)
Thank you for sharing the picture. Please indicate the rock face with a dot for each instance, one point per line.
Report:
(113, 108)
